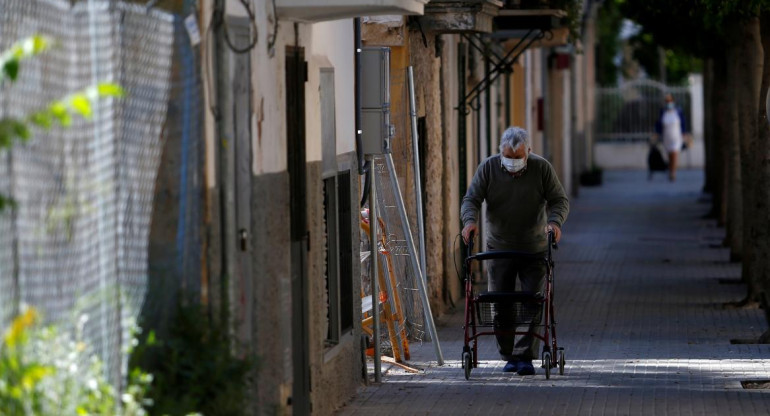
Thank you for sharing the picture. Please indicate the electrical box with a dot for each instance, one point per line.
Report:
(376, 130)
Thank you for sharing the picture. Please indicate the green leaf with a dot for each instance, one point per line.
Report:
(110, 90)
(30, 46)
(11, 69)
(25, 48)
(21, 130)
(59, 110)
(40, 43)
(5, 138)
(42, 119)
(6, 202)
(65, 119)
(10, 129)
(33, 374)
(82, 105)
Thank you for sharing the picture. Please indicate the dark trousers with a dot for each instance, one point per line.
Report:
(504, 274)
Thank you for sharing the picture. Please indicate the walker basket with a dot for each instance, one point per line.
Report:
(508, 308)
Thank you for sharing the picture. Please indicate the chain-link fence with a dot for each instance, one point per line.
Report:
(77, 242)
(401, 260)
(395, 261)
(396, 258)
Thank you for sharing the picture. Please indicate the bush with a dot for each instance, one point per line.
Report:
(193, 367)
(46, 371)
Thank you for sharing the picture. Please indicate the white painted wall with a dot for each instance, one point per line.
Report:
(529, 93)
(269, 100)
(535, 72)
(326, 44)
(331, 43)
(268, 118)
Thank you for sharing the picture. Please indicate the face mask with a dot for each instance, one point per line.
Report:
(670, 106)
(513, 165)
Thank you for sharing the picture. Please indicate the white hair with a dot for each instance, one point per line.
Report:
(513, 137)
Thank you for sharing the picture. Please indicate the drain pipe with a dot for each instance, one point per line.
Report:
(363, 165)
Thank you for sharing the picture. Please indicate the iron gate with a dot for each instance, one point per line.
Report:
(628, 113)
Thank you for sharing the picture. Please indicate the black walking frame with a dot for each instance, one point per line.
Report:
(512, 310)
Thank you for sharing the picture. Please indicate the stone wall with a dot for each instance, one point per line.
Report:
(427, 77)
(271, 340)
(335, 369)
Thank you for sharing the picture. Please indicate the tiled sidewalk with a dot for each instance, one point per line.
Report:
(639, 312)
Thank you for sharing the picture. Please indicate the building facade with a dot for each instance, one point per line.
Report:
(283, 171)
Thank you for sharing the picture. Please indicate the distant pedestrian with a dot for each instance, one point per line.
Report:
(671, 128)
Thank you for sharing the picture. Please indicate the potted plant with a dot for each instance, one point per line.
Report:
(591, 177)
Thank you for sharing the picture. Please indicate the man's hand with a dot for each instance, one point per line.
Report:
(468, 230)
(556, 231)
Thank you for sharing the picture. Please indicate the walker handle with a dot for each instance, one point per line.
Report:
(470, 244)
(551, 242)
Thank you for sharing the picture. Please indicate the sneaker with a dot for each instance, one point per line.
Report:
(526, 368)
(511, 366)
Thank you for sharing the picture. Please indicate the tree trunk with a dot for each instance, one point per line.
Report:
(750, 61)
(734, 200)
(760, 160)
(708, 133)
(719, 124)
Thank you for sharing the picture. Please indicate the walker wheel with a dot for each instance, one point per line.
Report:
(560, 356)
(467, 365)
(547, 364)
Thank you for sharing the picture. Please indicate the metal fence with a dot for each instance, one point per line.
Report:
(628, 113)
(388, 210)
(77, 242)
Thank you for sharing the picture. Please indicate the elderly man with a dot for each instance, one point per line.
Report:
(525, 200)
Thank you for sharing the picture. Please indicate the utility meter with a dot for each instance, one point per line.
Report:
(375, 101)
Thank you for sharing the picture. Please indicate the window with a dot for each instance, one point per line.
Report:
(339, 255)
(346, 239)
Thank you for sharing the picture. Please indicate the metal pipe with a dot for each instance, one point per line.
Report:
(225, 158)
(462, 133)
(487, 109)
(375, 284)
(480, 147)
(413, 257)
(357, 94)
(481, 85)
(363, 165)
(367, 185)
(496, 71)
(507, 96)
(418, 181)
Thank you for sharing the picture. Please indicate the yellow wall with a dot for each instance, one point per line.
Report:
(518, 96)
